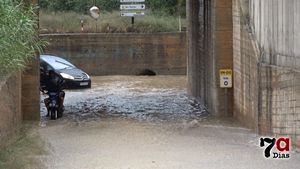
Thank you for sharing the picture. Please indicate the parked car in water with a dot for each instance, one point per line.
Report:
(74, 77)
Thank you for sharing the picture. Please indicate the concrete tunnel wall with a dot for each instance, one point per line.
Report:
(265, 61)
(267, 66)
(122, 54)
(209, 50)
(30, 96)
(10, 107)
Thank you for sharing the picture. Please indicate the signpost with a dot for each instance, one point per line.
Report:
(133, 7)
(126, 1)
(226, 83)
(132, 14)
(130, 8)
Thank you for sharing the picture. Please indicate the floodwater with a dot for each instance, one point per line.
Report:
(143, 98)
(136, 122)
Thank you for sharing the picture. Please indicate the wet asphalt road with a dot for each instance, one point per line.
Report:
(129, 122)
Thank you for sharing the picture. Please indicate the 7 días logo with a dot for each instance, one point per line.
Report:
(282, 147)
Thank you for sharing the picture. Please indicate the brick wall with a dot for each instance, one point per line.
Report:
(281, 100)
(266, 69)
(10, 107)
(122, 54)
(246, 77)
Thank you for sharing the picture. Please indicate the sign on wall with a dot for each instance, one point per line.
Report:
(226, 78)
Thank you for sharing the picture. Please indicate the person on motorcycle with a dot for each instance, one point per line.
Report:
(54, 83)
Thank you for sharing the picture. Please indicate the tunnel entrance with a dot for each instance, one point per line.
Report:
(113, 59)
(202, 73)
(154, 100)
(146, 72)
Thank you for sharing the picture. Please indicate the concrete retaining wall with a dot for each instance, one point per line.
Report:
(122, 54)
(266, 68)
(10, 107)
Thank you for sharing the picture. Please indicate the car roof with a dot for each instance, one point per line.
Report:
(50, 59)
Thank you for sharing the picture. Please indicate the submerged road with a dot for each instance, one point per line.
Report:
(129, 122)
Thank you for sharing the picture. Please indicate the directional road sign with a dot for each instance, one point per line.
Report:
(126, 1)
(133, 7)
(132, 14)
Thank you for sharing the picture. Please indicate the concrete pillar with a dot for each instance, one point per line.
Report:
(193, 51)
(210, 29)
(222, 54)
(30, 88)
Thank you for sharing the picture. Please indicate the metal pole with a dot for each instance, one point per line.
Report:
(226, 101)
(81, 25)
(179, 20)
(132, 21)
(96, 26)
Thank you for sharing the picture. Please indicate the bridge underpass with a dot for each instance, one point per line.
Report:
(209, 50)
(213, 29)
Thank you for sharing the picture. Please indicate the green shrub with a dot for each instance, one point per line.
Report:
(18, 37)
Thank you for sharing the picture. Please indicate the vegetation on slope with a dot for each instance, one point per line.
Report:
(18, 37)
(65, 16)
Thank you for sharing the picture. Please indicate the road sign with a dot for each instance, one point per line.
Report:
(226, 78)
(133, 7)
(132, 14)
(125, 1)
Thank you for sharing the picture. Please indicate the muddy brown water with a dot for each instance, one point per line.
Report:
(143, 98)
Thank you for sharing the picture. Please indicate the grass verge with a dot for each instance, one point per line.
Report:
(109, 22)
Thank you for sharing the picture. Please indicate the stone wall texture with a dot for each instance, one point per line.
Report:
(246, 70)
(122, 54)
(266, 66)
(10, 107)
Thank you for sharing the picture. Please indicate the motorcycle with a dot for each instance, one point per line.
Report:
(54, 102)
(54, 109)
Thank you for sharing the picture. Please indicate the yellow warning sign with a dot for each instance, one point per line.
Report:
(225, 72)
(226, 78)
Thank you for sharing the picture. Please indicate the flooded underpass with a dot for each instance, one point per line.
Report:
(143, 98)
(141, 122)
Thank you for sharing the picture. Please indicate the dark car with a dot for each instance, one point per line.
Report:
(74, 77)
